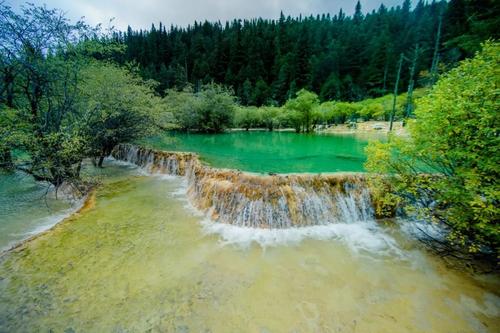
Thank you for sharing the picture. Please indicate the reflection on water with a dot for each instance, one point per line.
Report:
(140, 260)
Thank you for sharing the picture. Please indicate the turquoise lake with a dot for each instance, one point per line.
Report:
(278, 152)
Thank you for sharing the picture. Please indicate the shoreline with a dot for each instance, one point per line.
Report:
(87, 202)
(370, 127)
(216, 225)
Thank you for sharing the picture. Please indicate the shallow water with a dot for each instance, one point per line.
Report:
(26, 207)
(141, 259)
(279, 152)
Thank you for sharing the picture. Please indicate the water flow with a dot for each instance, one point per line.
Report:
(137, 262)
(260, 201)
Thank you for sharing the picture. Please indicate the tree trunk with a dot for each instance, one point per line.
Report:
(396, 91)
(101, 159)
(386, 70)
(409, 99)
(5, 158)
(435, 57)
(78, 170)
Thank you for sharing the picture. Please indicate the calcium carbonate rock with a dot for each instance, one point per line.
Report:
(255, 200)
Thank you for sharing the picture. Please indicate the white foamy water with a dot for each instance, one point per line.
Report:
(353, 224)
(358, 237)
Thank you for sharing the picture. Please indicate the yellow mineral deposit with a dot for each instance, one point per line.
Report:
(257, 200)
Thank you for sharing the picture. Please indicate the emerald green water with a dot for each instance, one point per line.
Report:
(279, 152)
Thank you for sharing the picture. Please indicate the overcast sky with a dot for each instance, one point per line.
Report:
(141, 13)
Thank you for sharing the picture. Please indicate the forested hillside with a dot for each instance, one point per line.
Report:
(336, 56)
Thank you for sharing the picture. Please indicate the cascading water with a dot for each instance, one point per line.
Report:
(263, 201)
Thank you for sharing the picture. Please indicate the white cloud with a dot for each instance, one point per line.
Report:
(141, 13)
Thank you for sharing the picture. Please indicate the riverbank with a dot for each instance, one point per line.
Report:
(374, 127)
(367, 127)
(83, 204)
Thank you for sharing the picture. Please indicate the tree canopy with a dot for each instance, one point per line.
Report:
(303, 111)
(209, 110)
(116, 106)
(339, 57)
(58, 103)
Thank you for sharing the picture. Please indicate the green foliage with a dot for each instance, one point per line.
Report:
(58, 104)
(372, 111)
(272, 117)
(339, 112)
(469, 23)
(247, 117)
(39, 68)
(8, 135)
(448, 170)
(209, 110)
(116, 106)
(179, 107)
(56, 157)
(303, 111)
(338, 57)
(379, 108)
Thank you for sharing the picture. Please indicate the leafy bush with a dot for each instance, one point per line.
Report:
(271, 117)
(302, 111)
(372, 111)
(209, 110)
(117, 105)
(339, 112)
(447, 171)
(247, 117)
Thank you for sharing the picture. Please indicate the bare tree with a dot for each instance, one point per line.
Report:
(396, 85)
(411, 84)
(435, 57)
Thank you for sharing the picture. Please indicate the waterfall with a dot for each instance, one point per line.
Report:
(260, 201)
(170, 163)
